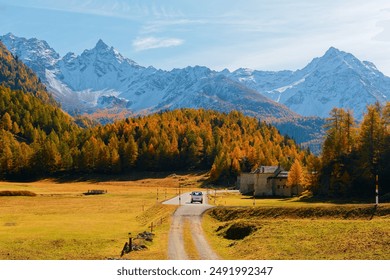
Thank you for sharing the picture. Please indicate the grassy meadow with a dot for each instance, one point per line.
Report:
(60, 222)
(291, 229)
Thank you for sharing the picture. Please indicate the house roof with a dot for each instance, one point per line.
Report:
(282, 174)
(266, 169)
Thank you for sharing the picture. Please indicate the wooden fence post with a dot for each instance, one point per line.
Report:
(130, 242)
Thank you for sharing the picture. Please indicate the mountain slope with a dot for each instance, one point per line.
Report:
(337, 79)
(99, 68)
(39, 139)
(31, 124)
(101, 78)
(36, 54)
(16, 76)
(34, 106)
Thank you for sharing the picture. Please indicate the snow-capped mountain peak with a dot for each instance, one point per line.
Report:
(332, 59)
(104, 52)
(336, 79)
(36, 54)
(332, 51)
(69, 57)
(97, 69)
(30, 49)
(101, 78)
(101, 45)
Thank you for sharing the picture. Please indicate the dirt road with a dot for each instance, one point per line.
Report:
(193, 213)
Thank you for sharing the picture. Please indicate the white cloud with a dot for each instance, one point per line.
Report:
(141, 44)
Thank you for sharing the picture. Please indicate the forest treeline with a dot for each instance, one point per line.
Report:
(353, 154)
(38, 139)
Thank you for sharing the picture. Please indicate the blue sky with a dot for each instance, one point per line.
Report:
(263, 35)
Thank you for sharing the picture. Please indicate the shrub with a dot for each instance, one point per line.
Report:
(17, 193)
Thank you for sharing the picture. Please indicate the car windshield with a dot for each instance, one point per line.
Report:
(196, 193)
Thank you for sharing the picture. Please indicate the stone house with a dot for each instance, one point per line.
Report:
(266, 181)
(278, 183)
(246, 183)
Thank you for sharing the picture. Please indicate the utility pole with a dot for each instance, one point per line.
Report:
(375, 171)
(376, 190)
(179, 195)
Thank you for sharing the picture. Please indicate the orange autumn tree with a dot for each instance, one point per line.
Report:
(295, 177)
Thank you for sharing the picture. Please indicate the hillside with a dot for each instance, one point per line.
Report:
(16, 76)
(31, 123)
(103, 84)
(39, 139)
(187, 139)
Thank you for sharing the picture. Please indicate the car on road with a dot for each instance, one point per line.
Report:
(196, 197)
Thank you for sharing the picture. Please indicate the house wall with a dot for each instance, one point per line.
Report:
(297, 190)
(262, 186)
(280, 188)
(246, 183)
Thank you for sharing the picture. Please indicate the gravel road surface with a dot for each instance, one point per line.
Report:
(193, 213)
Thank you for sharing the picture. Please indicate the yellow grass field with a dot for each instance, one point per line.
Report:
(63, 223)
(226, 198)
(290, 229)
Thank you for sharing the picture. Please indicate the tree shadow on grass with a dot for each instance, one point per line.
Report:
(333, 200)
(129, 176)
